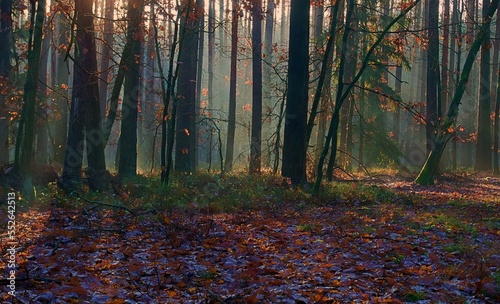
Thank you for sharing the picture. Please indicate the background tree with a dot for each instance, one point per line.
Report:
(483, 149)
(426, 175)
(256, 133)
(231, 125)
(294, 141)
(432, 104)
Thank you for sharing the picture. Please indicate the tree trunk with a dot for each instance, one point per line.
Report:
(268, 62)
(294, 144)
(107, 47)
(186, 90)
(231, 126)
(127, 165)
(61, 99)
(5, 67)
(432, 73)
(41, 129)
(85, 108)
(256, 133)
(426, 175)
(483, 148)
(24, 143)
(342, 94)
(496, 169)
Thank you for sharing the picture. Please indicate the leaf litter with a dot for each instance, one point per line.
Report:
(436, 244)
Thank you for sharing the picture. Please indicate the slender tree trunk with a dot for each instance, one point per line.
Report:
(483, 148)
(41, 128)
(325, 73)
(432, 73)
(342, 94)
(326, 95)
(294, 144)
(5, 68)
(61, 99)
(426, 175)
(231, 127)
(107, 47)
(496, 169)
(495, 96)
(268, 62)
(201, 106)
(256, 134)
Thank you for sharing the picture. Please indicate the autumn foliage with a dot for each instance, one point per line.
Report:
(240, 240)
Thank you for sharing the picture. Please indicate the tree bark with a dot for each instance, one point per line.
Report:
(5, 67)
(24, 143)
(231, 126)
(127, 165)
(483, 147)
(256, 132)
(85, 117)
(294, 141)
(426, 175)
(61, 99)
(432, 73)
(185, 153)
(107, 47)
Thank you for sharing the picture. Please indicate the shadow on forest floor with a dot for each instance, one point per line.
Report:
(385, 240)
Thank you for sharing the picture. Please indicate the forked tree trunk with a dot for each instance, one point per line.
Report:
(426, 175)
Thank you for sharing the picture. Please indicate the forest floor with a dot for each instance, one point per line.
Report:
(382, 240)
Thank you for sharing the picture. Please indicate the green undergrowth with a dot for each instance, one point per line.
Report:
(219, 193)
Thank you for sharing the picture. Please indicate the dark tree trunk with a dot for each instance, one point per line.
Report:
(256, 133)
(496, 169)
(483, 148)
(127, 165)
(432, 73)
(107, 47)
(185, 154)
(294, 144)
(85, 117)
(426, 175)
(5, 67)
(24, 144)
(231, 126)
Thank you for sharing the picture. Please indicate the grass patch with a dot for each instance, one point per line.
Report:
(415, 296)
